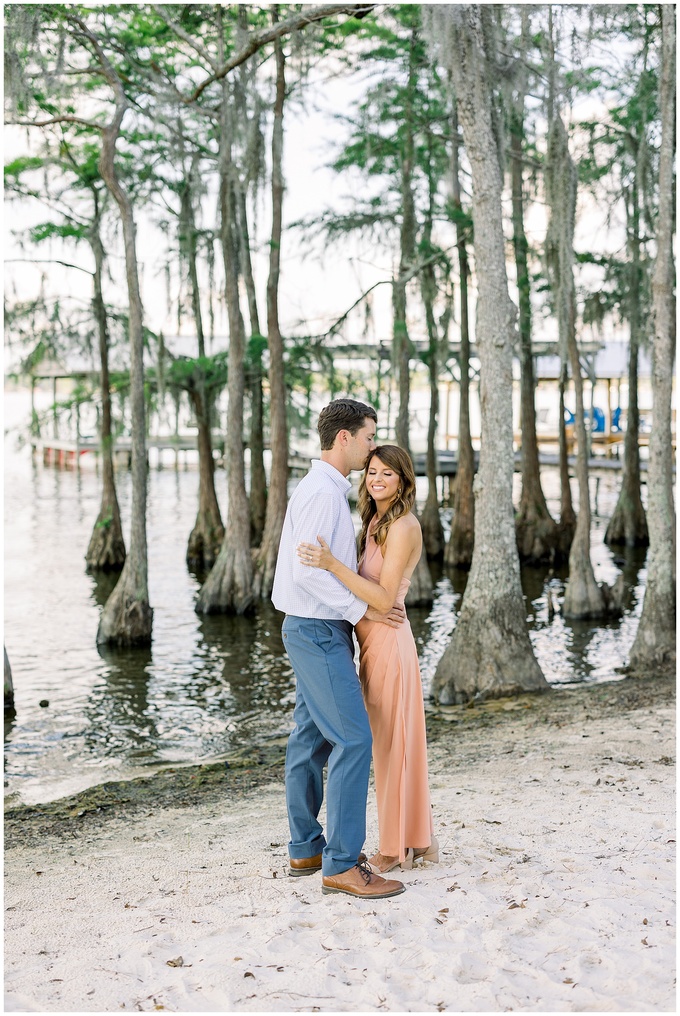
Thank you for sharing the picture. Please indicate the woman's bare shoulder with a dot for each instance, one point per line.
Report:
(406, 527)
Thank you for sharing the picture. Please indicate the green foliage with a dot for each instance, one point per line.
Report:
(17, 167)
(104, 522)
(63, 231)
(186, 373)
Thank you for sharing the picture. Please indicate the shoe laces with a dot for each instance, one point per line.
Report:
(365, 871)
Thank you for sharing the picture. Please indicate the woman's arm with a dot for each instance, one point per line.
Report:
(402, 540)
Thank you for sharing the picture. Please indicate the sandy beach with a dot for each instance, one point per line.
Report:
(555, 890)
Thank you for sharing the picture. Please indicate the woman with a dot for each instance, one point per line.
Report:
(390, 548)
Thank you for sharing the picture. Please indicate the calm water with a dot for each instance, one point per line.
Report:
(207, 686)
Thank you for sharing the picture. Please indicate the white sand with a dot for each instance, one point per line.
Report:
(555, 893)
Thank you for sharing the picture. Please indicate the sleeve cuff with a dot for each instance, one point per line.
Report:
(356, 612)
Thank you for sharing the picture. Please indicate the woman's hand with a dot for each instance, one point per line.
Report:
(316, 557)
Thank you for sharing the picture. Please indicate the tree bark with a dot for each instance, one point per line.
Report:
(490, 653)
(431, 523)
(430, 520)
(655, 639)
(536, 530)
(583, 596)
(458, 551)
(127, 617)
(628, 524)
(401, 340)
(206, 537)
(228, 588)
(258, 478)
(421, 590)
(208, 532)
(8, 685)
(106, 549)
(567, 524)
(277, 500)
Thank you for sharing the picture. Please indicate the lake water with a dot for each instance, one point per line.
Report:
(208, 685)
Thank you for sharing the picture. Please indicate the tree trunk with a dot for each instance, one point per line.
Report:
(106, 550)
(655, 639)
(536, 530)
(431, 523)
(583, 596)
(208, 532)
(430, 520)
(402, 343)
(421, 591)
(277, 499)
(490, 653)
(458, 551)
(206, 537)
(127, 617)
(8, 685)
(228, 588)
(258, 478)
(567, 524)
(628, 524)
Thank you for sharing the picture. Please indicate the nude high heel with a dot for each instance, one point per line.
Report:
(377, 870)
(407, 863)
(430, 853)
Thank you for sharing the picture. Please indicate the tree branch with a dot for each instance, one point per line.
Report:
(49, 261)
(58, 119)
(400, 280)
(292, 24)
(187, 37)
(53, 203)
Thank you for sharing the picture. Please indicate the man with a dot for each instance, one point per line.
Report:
(331, 724)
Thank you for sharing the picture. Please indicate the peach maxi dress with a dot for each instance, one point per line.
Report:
(390, 680)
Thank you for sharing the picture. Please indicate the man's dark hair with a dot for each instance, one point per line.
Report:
(342, 414)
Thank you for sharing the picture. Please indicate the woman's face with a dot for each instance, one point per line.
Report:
(382, 482)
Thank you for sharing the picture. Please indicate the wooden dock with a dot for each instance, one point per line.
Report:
(67, 454)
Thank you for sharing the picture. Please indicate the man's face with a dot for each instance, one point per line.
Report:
(361, 445)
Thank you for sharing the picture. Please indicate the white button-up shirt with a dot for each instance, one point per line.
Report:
(318, 507)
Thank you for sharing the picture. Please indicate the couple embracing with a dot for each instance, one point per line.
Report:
(339, 718)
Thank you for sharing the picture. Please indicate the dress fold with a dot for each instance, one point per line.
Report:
(392, 688)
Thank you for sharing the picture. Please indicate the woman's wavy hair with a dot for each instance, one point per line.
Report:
(400, 461)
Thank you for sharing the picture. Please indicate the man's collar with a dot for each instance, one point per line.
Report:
(336, 476)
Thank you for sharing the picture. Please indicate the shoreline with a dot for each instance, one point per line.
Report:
(555, 890)
(249, 768)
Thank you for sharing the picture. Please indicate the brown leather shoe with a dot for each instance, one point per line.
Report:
(360, 881)
(304, 865)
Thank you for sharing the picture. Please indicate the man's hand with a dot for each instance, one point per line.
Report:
(393, 618)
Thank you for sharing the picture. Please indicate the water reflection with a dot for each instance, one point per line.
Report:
(255, 680)
(121, 721)
(103, 584)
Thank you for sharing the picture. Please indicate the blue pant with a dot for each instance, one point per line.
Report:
(331, 726)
